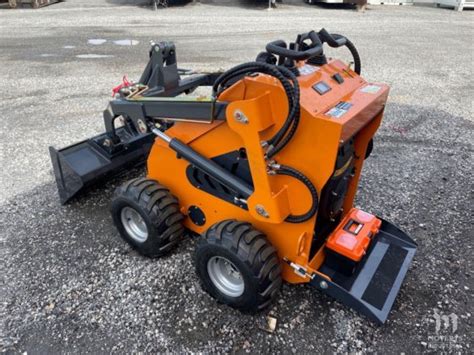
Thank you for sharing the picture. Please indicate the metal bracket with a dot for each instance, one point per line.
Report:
(299, 270)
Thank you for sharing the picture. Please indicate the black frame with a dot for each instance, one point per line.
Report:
(82, 164)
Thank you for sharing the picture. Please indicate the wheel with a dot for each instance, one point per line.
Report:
(238, 266)
(147, 216)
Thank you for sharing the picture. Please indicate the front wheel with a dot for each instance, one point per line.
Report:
(147, 216)
(238, 266)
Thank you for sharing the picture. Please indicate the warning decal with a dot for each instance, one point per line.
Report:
(339, 110)
(371, 89)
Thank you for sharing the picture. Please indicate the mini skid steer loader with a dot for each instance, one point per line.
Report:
(264, 171)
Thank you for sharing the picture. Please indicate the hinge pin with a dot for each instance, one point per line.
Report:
(261, 211)
(240, 117)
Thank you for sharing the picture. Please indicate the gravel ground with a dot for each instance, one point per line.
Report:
(70, 284)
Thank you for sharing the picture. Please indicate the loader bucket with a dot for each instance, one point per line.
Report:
(374, 285)
(84, 163)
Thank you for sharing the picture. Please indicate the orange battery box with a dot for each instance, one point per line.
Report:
(352, 236)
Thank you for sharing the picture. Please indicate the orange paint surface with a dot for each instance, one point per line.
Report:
(313, 151)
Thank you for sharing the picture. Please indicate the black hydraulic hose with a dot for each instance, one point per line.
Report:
(288, 129)
(352, 48)
(287, 138)
(289, 171)
(282, 74)
(286, 170)
(296, 118)
(250, 67)
(293, 101)
(275, 140)
(293, 118)
(234, 76)
(292, 122)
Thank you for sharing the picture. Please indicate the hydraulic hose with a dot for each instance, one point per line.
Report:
(288, 129)
(357, 69)
(352, 48)
(291, 90)
(293, 123)
(286, 132)
(287, 138)
(289, 171)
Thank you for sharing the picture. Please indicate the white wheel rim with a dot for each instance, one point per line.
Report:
(134, 224)
(225, 276)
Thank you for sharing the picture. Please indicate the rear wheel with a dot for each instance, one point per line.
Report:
(147, 216)
(238, 266)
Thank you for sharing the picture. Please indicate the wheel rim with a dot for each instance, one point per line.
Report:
(225, 276)
(134, 224)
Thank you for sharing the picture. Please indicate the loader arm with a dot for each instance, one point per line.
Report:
(128, 143)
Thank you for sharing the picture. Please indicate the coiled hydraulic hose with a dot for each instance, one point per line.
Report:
(291, 90)
(288, 129)
(283, 136)
(286, 132)
(289, 171)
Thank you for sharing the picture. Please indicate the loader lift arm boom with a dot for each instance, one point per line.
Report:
(86, 162)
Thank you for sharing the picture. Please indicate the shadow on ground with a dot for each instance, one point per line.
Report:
(72, 283)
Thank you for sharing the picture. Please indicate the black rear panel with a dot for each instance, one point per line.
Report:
(333, 195)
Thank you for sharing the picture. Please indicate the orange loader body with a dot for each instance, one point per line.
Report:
(313, 150)
(265, 172)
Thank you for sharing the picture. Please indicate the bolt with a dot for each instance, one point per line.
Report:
(274, 165)
(323, 285)
(261, 211)
(142, 126)
(240, 117)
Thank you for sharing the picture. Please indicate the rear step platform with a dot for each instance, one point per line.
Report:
(374, 285)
